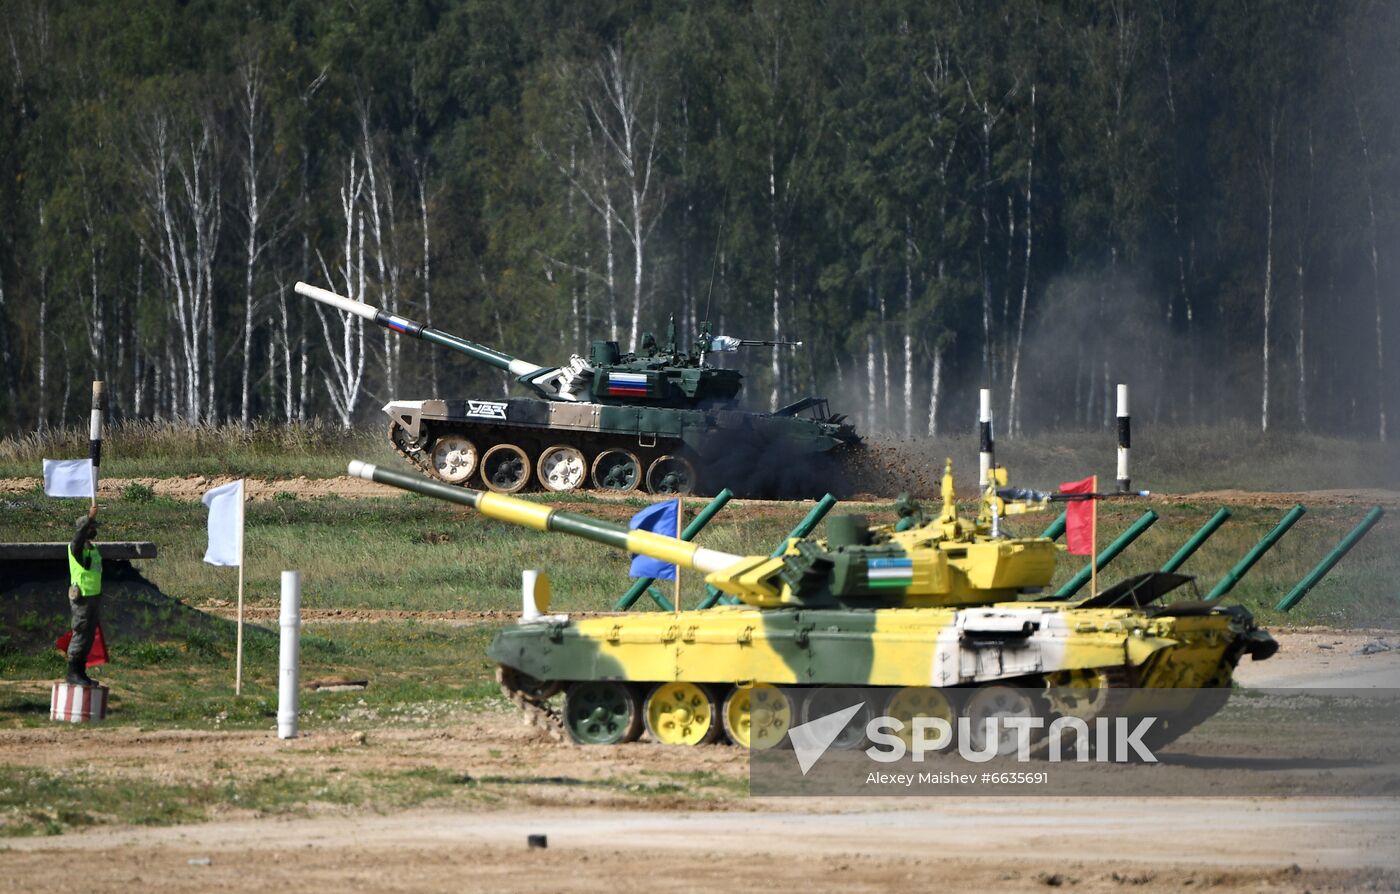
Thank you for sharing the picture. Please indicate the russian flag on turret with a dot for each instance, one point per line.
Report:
(629, 384)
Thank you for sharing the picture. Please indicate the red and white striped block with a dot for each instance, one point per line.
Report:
(78, 704)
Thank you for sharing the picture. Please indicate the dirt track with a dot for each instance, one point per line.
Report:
(602, 837)
(1088, 845)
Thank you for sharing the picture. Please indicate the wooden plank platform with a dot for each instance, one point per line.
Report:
(113, 550)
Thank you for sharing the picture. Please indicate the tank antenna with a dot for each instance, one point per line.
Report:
(714, 262)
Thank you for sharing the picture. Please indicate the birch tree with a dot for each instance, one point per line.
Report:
(181, 205)
(1268, 175)
(625, 108)
(381, 222)
(344, 334)
(1014, 398)
(260, 181)
(421, 182)
(1372, 232)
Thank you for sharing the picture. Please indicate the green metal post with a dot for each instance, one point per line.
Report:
(1227, 583)
(697, 524)
(807, 525)
(1057, 527)
(1197, 540)
(660, 599)
(1335, 556)
(1110, 553)
(804, 527)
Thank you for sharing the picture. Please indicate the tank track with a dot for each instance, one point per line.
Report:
(1120, 681)
(840, 475)
(415, 455)
(533, 699)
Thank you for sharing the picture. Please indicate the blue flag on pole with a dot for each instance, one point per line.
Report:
(659, 518)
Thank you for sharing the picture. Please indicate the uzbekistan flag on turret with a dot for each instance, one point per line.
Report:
(890, 572)
(627, 384)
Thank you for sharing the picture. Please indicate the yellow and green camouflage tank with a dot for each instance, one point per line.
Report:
(945, 615)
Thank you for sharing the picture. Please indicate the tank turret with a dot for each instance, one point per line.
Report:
(945, 562)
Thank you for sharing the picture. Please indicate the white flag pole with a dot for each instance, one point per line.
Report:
(238, 651)
(680, 516)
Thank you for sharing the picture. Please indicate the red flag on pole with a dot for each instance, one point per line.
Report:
(1079, 518)
(97, 656)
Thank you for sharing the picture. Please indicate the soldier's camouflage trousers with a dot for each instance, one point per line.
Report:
(84, 611)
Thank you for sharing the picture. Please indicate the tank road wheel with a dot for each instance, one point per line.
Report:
(562, 468)
(670, 474)
(757, 717)
(454, 459)
(824, 700)
(601, 712)
(999, 703)
(617, 470)
(682, 714)
(1084, 692)
(505, 468)
(912, 702)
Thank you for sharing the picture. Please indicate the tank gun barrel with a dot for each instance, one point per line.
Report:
(543, 518)
(724, 343)
(395, 323)
(1027, 495)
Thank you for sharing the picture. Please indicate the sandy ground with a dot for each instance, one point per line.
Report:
(603, 839)
(1088, 845)
(1320, 657)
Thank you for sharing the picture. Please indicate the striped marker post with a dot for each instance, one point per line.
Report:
(99, 406)
(984, 425)
(1124, 438)
(72, 703)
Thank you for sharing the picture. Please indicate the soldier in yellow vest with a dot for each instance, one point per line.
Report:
(84, 596)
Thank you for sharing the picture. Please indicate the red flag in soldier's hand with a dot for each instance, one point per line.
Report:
(97, 655)
(1079, 518)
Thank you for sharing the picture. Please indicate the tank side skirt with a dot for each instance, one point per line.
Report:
(898, 648)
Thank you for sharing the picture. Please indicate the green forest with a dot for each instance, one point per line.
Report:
(1201, 199)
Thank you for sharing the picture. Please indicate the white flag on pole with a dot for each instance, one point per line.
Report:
(225, 524)
(68, 477)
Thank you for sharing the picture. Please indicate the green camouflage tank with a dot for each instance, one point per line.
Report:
(663, 420)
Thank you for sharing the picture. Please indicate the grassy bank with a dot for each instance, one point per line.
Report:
(411, 739)
(412, 553)
(159, 450)
(432, 678)
(1165, 458)
(170, 684)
